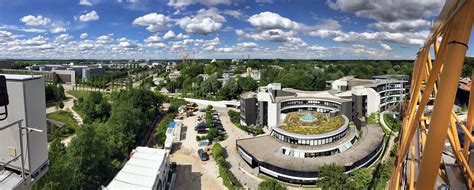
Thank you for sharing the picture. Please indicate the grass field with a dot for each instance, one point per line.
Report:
(84, 94)
(70, 124)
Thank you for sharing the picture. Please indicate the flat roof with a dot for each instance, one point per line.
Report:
(20, 77)
(266, 149)
(141, 170)
(300, 94)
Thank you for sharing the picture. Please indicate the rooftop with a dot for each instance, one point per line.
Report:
(266, 149)
(311, 123)
(20, 77)
(141, 170)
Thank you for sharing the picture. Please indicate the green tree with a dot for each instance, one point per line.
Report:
(89, 159)
(270, 185)
(59, 167)
(360, 178)
(332, 176)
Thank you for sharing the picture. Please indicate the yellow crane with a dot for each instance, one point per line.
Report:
(419, 163)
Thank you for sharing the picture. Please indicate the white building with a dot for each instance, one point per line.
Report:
(26, 108)
(147, 169)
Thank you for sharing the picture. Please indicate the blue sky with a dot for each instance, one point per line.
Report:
(167, 29)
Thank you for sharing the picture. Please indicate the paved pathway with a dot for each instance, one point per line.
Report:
(68, 104)
(244, 173)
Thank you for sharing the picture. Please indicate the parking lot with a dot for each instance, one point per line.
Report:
(192, 173)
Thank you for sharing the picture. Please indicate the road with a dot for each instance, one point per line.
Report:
(244, 173)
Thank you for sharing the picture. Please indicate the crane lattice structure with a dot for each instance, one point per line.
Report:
(419, 163)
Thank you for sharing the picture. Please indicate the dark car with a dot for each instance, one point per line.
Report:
(203, 155)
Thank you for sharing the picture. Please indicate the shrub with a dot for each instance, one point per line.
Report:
(270, 185)
(230, 181)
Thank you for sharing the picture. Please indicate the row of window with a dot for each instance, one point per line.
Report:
(310, 142)
(319, 110)
(310, 102)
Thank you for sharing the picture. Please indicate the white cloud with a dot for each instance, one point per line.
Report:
(84, 35)
(85, 3)
(6, 36)
(392, 15)
(105, 39)
(390, 10)
(58, 30)
(234, 13)
(90, 16)
(63, 38)
(184, 3)
(39, 20)
(225, 49)
(386, 47)
(247, 44)
(317, 48)
(403, 25)
(168, 35)
(276, 35)
(205, 22)
(270, 20)
(405, 38)
(152, 21)
(152, 39)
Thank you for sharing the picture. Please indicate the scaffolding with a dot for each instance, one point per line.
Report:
(420, 161)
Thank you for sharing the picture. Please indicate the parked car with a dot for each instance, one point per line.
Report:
(203, 155)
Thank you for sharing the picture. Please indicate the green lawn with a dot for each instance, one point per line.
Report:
(70, 124)
(84, 94)
(78, 94)
(324, 125)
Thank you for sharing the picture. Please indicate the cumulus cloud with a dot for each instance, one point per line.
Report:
(270, 20)
(105, 39)
(152, 39)
(205, 22)
(85, 3)
(276, 35)
(84, 35)
(386, 47)
(63, 38)
(403, 25)
(152, 21)
(184, 3)
(90, 16)
(39, 20)
(168, 35)
(58, 30)
(6, 36)
(392, 15)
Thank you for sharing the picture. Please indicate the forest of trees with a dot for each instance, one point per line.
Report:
(102, 144)
(298, 74)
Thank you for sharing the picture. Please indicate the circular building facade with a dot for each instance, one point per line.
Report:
(307, 140)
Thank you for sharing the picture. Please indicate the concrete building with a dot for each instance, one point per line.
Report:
(147, 168)
(352, 97)
(26, 152)
(90, 72)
